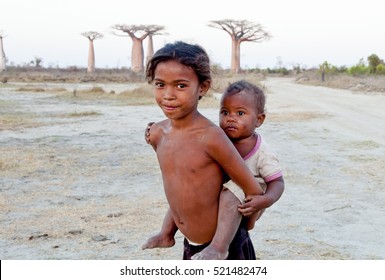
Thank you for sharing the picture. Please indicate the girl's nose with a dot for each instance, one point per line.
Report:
(168, 94)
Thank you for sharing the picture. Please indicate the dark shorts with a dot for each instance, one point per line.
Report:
(241, 248)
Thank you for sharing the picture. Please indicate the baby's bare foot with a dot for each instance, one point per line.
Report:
(210, 253)
(158, 241)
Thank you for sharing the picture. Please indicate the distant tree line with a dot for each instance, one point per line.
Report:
(373, 65)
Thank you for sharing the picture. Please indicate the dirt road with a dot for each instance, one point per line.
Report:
(332, 145)
(78, 182)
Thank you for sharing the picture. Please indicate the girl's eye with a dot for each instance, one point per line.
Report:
(159, 85)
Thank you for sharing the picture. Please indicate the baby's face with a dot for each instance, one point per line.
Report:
(238, 115)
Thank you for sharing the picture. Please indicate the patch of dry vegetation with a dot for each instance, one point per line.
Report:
(141, 94)
(295, 116)
(220, 82)
(80, 114)
(9, 122)
(369, 84)
(11, 118)
(31, 89)
(69, 75)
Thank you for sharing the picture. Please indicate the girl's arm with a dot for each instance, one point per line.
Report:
(165, 238)
(222, 150)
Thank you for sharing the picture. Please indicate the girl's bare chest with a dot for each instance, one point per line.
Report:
(181, 150)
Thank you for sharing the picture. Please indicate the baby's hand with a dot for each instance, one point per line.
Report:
(253, 204)
(147, 132)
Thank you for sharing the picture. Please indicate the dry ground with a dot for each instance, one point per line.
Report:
(373, 84)
(78, 182)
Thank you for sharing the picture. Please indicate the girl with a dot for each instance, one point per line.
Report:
(193, 155)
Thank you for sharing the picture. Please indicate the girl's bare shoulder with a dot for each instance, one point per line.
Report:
(155, 130)
(213, 133)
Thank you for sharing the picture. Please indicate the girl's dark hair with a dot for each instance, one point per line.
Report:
(249, 88)
(193, 56)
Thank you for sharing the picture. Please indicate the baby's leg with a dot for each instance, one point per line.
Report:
(229, 220)
(165, 238)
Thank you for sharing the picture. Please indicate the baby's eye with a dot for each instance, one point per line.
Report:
(223, 112)
(240, 113)
(181, 86)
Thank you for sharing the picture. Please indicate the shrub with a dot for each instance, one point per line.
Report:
(358, 69)
(374, 61)
(380, 69)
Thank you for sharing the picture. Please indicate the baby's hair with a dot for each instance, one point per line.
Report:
(193, 56)
(249, 88)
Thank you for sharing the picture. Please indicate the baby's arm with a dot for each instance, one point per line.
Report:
(254, 204)
(222, 150)
(147, 133)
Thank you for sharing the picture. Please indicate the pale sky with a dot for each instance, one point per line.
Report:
(304, 32)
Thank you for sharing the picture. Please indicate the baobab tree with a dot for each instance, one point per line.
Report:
(240, 31)
(137, 33)
(151, 31)
(91, 35)
(2, 54)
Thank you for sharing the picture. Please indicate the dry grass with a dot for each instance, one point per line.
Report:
(80, 114)
(374, 84)
(69, 75)
(295, 116)
(13, 119)
(220, 82)
(367, 84)
(142, 94)
(31, 89)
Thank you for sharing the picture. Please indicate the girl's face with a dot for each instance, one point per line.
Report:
(238, 115)
(177, 89)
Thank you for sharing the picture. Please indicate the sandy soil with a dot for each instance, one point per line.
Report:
(78, 182)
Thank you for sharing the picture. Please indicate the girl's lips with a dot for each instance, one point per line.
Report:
(169, 108)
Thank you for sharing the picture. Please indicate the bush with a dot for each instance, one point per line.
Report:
(282, 71)
(380, 69)
(357, 70)
(338, 69)
(374, 61)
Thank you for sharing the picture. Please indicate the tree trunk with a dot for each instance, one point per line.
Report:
(150, 49)
(2, 56)
(235, 55)
(91, 57)
(137, 55)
